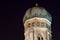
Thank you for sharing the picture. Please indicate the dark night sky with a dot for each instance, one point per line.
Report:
(16, 11)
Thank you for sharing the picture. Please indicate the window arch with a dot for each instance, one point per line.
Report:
(40, 37)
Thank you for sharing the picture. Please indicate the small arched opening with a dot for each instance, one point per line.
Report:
(40, 37)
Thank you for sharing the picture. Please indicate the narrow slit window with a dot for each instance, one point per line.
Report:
(38, 38)
(42, 38)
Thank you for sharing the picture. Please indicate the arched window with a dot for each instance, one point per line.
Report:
(33, 24)
(42, 24)
(41, 38)
(38, 23)
(29, 24)
(38, 38)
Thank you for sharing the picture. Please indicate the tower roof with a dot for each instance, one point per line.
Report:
(36, 12)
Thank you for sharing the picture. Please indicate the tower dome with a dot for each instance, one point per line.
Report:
(39, 12)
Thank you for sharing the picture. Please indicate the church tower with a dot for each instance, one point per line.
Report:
(37, 24)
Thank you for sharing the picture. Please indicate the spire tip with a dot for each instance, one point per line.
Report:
(36, 4)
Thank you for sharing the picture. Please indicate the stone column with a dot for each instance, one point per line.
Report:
(35, 35)
(31, 36)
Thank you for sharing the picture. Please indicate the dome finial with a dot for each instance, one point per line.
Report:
(36, 4)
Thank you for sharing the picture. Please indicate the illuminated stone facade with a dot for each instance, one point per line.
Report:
(37, 24)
